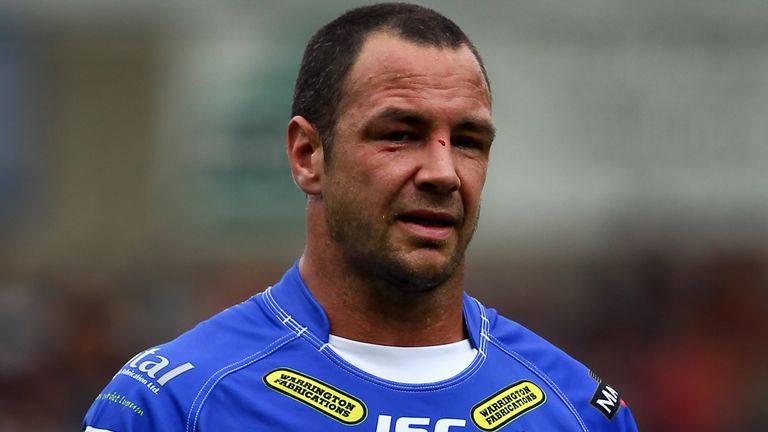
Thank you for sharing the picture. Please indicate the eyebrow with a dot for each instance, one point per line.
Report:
(400, 115)
(480, 126)
(411, 118)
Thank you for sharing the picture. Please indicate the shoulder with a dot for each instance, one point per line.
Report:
(596, 402)
(159, 387)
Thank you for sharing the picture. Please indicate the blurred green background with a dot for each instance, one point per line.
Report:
(144, 186)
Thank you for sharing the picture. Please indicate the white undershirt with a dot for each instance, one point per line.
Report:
(413, 365)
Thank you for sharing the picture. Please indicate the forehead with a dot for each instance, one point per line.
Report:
(389, 67)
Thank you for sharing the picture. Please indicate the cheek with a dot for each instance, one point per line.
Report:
(472, 181)
(385, 169)
(355, 186)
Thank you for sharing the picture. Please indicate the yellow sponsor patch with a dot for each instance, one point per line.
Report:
(327, 399)
(507, 404)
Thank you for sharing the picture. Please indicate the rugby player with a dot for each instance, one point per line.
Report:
(371, 329)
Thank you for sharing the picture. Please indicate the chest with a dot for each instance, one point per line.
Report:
(309, 391)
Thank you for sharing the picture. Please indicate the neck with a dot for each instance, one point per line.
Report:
(375, 311)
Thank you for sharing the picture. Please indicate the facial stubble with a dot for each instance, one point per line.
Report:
(370, 252)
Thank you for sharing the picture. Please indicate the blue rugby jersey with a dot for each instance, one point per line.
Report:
(265, 365)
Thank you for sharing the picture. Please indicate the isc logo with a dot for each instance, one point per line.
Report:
(417, 424)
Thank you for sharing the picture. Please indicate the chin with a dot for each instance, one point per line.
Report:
(420, 269)
(423, 276)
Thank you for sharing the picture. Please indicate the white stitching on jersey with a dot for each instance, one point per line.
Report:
(281, 314)
(276, 310)
(532, 367)
(291, 323)
(484, 327)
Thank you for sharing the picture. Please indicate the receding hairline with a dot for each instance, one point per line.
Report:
(394, 33)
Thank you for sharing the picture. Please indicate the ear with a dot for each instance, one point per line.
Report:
(305, 154)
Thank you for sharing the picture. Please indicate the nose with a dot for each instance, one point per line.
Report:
(437, 172)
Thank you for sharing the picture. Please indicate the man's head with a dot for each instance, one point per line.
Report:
(333, 49)
(399, 200)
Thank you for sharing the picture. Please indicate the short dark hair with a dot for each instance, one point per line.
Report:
(332, 51)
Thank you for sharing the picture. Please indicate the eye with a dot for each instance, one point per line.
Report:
(466, 142)
(400, 136)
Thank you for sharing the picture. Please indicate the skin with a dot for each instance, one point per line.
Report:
(390, 215)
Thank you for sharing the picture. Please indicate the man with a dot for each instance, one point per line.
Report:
(371, 330)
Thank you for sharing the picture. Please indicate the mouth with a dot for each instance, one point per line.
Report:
(428, 224)
(426, 221)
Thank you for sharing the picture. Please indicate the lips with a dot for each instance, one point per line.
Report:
(428, 224)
